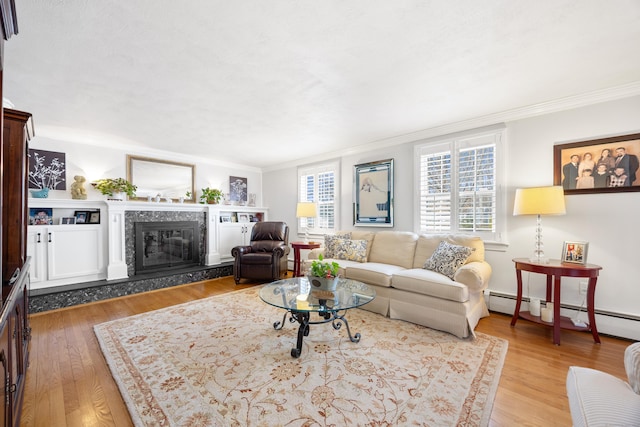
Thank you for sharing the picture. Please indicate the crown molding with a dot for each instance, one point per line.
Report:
(554, 106)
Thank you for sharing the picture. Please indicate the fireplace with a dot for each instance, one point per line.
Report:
(166, 245)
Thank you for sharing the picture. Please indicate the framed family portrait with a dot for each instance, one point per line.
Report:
(94, 217)
(40, 216)
(82, 217)
(575, 252)
(68, 220)
(373, 189)
(606, 165)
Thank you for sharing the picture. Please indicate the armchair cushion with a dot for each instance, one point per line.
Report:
(600, 399)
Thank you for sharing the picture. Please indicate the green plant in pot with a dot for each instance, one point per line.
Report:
(112, 186)
(323, 275)
(210, 195)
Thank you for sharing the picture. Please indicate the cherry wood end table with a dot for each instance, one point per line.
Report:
(555, 270)
(297, 246)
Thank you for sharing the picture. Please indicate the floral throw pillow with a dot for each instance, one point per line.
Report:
(447, 258)
(352, 250)
(329, 243)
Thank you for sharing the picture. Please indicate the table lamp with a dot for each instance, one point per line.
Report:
(539, 201)
(306, 210)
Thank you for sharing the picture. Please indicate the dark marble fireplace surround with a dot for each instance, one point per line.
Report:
(95, 291)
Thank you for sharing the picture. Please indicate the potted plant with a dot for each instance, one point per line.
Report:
(211, 196)
(113, 186)
(323, 275)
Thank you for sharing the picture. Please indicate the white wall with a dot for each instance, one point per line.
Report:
(99, 162)
(609, 222)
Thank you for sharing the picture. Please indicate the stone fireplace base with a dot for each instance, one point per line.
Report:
(81, 293)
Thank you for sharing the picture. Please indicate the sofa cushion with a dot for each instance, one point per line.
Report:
(394, 247)
(428, 243)
(352, 250)
(430, 283)
(448, 258)
(372, 273)
(330, 243)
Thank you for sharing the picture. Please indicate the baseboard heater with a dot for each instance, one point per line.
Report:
(620, 325)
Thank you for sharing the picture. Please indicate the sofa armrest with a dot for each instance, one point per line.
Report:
(313, 253)
(475, 275)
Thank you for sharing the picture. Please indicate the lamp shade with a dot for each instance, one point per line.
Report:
(539, 201)
(306, 210)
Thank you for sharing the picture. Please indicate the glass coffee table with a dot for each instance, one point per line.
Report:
(297, 297)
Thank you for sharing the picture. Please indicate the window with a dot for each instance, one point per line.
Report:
(319, 183)
(458, 185)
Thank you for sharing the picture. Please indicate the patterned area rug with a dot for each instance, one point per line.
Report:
(219, 361)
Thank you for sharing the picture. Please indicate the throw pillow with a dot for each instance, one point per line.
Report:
(329, 243)
(352, 250)
(447, 258)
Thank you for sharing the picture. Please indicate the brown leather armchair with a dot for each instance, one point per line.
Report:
(266, 255)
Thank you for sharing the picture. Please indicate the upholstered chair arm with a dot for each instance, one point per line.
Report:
(475, 275)
(240, 250)
(279, 251)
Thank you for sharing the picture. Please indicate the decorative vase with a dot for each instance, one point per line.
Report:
(118, 196)
(323, 283)
(43, 193)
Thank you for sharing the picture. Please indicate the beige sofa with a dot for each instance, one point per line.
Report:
(393, 266)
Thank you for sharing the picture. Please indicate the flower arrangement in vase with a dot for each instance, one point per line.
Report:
(323, 275)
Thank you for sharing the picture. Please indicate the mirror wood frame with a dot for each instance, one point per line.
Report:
(162, 166)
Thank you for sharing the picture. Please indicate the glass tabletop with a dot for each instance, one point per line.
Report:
(296, 294)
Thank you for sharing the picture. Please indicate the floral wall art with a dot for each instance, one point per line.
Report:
(238, 189)
(47, 169)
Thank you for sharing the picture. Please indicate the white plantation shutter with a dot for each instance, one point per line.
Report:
(318, 183)
(458, 185)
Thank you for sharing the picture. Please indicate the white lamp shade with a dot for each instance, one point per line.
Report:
(539, 201)
(306, 210)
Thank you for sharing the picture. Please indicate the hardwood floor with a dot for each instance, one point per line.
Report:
(69, 383)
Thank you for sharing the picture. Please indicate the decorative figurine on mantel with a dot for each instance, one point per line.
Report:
(78, 192)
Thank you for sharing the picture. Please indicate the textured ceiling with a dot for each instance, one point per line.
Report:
(265, 82)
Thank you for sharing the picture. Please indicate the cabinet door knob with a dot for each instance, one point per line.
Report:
(39, 238)
(49, 237)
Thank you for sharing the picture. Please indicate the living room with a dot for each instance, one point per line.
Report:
(534, 117)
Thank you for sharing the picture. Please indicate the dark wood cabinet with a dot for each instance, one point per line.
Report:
(18, 130)
(15, 334)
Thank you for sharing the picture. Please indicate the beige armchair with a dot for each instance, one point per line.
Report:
(599, 399)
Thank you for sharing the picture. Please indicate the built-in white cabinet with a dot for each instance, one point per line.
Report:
(235, 226)
(65, 254)
(232, 235)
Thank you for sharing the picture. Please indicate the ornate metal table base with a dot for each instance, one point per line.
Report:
(303, 318)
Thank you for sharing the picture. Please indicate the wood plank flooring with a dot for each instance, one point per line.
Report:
(69, 384)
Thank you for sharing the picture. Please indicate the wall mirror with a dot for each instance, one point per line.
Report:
(161, 177)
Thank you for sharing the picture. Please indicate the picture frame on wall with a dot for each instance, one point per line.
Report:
(373, 190)
(605, 165)
(575, 252)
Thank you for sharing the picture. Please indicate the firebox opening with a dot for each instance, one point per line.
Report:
(166, 245)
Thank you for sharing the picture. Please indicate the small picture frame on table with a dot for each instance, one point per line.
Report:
(225, 218)
(68, 220)
(94, 217)
(575, 252)
(243, 217)
(82, 217)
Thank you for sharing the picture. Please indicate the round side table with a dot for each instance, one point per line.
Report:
(296, 255)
